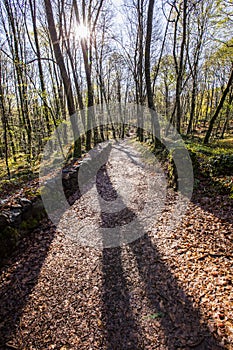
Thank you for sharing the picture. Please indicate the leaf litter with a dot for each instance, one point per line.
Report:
(167, 290)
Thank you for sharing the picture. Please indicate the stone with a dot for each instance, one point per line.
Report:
(25, 202)
(16, 206)
(15, 216)
(26, 208)
(38, 210)
(4, 220)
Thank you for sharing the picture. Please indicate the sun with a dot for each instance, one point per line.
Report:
(82, 31)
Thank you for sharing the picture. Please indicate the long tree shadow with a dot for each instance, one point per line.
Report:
(21, 276)
(120, 326)
(180, 321)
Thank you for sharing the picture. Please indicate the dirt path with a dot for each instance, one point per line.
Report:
(164, 290)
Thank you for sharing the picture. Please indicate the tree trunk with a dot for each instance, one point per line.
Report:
(154, 116)
(181, 69)
(219, 107)
(139, 67)
(228, 112)
(90, 91)
(4, 122)
(32, 4)
(65, 78)
(17, 53)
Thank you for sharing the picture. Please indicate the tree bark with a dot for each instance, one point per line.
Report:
(181, 69)
(219, 107)
(65, 78)
(17, 53)
(4, 122)
(32, 4)
(154, 116)
(87, 66)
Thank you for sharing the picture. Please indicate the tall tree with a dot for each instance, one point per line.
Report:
(90, 16)
(33, 8)
(219, 107)
(197, 36)
(16, 45)
(65, 77)
(154, 116)
(4, 120)
(179, 60)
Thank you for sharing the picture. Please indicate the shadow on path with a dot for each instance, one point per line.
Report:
(14, 294)
(120, 325)
(179, 320)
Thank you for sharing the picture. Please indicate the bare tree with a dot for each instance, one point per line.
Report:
(65, 77)
(33, 7)
(154, 117)
(4, 120)
(90, 15)
(219, 107)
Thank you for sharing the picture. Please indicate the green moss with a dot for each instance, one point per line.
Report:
(32, 192)
(214, 161)
(214, 149)
(221, 164)
(29, 224)
(42, 190)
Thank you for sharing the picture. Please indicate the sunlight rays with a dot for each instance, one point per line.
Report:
(82, 31)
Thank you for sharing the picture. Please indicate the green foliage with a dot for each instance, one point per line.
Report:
(154, 316)
(214, 149)
(221, 164)
(171, 171)
(214, 161)
(19, 179)
(29, 224)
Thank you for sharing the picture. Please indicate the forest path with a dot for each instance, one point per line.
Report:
(168, 289)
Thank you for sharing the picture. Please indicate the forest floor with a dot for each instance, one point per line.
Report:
(167, 289)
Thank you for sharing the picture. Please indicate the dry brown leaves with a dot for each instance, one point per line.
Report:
(167, 290)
